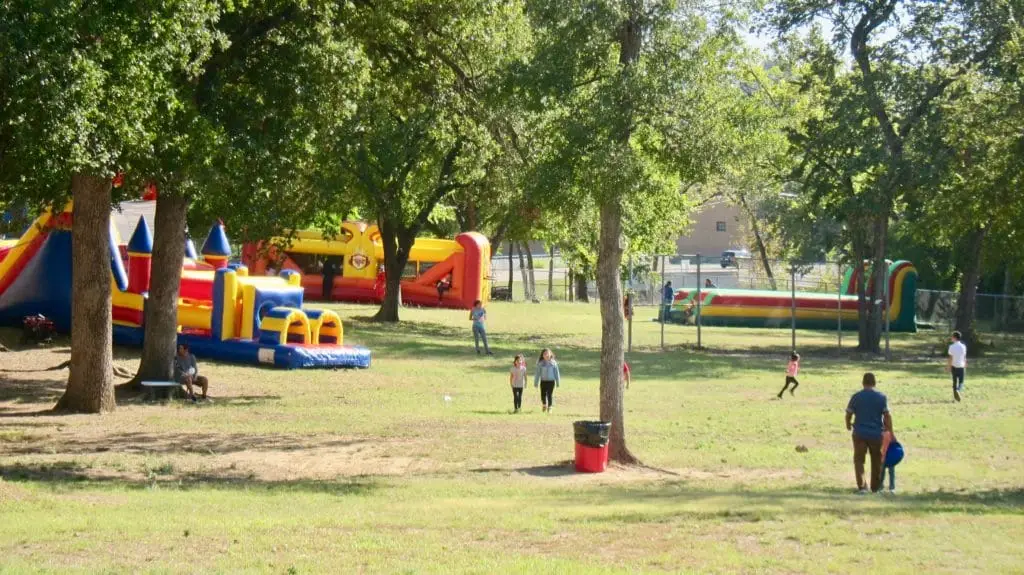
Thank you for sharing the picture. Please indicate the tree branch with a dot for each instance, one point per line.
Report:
(445, 184)
(869, 22)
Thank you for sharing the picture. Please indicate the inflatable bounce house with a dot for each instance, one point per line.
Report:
(814, 310)
(440, 273)
(223, 313)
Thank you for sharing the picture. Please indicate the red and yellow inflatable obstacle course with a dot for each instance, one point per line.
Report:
(440, 273)
(813, 310)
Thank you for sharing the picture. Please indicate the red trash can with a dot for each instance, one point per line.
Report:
(591, 459)
(591, 445)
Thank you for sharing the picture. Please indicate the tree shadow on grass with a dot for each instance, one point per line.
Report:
(28, 391)
(562, 469)
(738, 504)
(65, 475)
(171, 443)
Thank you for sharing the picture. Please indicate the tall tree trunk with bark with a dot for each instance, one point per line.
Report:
(396, 255)
(91, 381)
(966, 302)
(879, 268)
(161, 329)
(609, 265)
(609, 259)
(531, 275)
(522, 272)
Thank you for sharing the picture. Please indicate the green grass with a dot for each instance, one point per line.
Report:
(372, 471)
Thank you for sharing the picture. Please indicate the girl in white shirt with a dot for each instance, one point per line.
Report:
(517, 380)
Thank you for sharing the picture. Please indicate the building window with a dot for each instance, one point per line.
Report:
(720, 226)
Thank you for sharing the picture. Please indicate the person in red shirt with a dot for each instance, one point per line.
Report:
(626, 373)
(792, 370)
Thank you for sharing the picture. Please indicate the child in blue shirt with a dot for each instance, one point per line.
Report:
(547, 378)
(892, 454)
(478, 315)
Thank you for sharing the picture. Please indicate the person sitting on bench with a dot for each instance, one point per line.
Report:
(186, 372)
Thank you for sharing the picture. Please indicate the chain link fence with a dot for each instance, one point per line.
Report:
(745, 303)
(548, 279)
(994, 313)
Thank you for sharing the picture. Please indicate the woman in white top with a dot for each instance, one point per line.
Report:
(517, 380)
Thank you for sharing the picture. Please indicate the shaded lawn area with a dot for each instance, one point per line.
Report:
(373, 471)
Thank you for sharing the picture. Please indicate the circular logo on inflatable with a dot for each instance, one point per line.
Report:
(359, 260)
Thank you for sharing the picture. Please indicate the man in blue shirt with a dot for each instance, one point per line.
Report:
(867, 415)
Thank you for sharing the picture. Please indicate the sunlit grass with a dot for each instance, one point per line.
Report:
(373, 471)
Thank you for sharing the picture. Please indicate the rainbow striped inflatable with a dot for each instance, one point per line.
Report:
(814, 310)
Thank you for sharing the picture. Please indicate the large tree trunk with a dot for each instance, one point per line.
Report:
(581, 287)
(396, 255)
(966, 301)
(522, 272)
(469, 221)
(876, 321)
(532, 275)
(91, 381)
(871, 319)
(609, 265)
(161, 330)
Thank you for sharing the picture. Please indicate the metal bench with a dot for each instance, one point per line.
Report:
(172, 388)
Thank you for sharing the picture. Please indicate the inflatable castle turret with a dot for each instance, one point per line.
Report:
(216, 249)
(140, 258)
(190, 247)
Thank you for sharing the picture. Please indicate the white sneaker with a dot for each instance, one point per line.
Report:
(862, 491)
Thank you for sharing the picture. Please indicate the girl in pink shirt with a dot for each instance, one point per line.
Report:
(791, 372)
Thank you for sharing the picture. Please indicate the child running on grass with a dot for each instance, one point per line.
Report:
(548, 378)
(517, 380)
(791, 372)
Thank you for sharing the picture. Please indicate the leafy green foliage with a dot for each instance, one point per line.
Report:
(85, 86)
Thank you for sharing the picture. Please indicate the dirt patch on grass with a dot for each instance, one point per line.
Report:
(11, 492)
(266, 459)
(361, 458)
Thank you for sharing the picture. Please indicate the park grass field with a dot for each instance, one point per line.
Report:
(374, 471)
